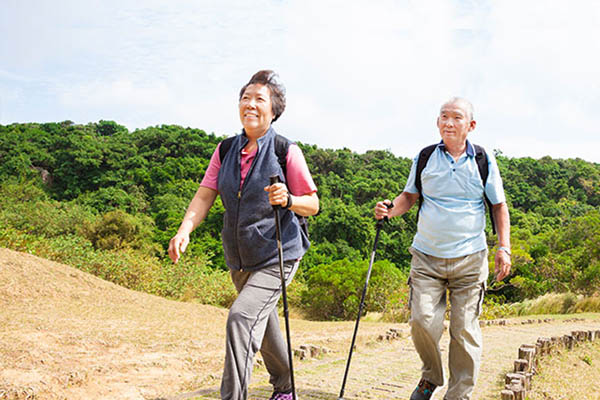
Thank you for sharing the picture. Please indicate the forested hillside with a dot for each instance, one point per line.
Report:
(98, 189)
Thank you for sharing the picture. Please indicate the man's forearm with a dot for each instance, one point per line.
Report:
(403, 203)
(502, 220)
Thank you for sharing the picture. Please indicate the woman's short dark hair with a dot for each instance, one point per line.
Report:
(271, 80)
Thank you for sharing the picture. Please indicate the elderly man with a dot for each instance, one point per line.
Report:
(452, 180)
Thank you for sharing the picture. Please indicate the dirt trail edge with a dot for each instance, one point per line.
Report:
(383, 369)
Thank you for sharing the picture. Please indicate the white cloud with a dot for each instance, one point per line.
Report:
(359, 75)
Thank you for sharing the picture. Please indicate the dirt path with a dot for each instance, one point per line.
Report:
(65, 334)
(384, 370)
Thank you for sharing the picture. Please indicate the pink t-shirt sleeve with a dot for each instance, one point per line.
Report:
(211, 175)
(299, 180)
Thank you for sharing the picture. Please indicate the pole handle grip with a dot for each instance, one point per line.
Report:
(385, 219)
(274, 179)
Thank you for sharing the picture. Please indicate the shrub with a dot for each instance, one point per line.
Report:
(492, 309)
(119, 230)
(587, 304)
(110, 198)
(397, 309)
(192, 278)
(551, 303)
(334, 290)
(27, 208)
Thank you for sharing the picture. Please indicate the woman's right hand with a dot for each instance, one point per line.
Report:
(177, 246)
(381, 209)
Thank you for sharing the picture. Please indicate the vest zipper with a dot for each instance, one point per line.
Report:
(239, 196)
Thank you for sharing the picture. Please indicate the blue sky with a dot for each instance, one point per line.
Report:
(362, 75)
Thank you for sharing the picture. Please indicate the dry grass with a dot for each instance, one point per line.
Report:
(569, 375)
(61, 329)
(65, 334)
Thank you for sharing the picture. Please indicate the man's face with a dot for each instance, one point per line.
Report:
(454, 123)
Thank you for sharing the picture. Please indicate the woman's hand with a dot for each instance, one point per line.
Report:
(278, 194)
(177, 246)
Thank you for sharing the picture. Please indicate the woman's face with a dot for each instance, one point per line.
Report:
(256, 110)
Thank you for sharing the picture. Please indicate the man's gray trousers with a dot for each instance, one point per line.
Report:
(464, 278)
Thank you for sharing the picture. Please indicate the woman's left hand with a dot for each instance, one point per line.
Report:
(278, 194)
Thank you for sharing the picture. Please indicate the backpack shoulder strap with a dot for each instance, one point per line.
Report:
(281, 149)
(424, 156)
(224, 148)
(482, 165)
(282, 146)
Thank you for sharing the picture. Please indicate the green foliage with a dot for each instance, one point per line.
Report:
(119, 230)
(334, 290)
(494, 309)
(125, 192)
(27, 207)
(587, 359)
(397, 309)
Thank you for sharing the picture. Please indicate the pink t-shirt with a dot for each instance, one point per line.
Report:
(299, 180)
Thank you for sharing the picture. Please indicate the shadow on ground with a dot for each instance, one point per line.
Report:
(257, 393)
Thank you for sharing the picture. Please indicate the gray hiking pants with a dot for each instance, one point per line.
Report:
(253, 324)
(465, 279)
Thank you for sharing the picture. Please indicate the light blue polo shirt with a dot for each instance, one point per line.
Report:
(452, 217)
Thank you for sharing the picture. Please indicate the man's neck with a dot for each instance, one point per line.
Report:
(456, 150)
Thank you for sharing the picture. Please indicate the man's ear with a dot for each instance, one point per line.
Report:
(472, 124)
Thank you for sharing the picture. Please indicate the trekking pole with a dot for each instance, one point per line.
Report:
(362, 299)
(275, 179)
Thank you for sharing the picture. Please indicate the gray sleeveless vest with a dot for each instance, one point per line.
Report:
(248, 235)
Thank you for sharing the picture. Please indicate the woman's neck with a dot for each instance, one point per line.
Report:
(252, 137)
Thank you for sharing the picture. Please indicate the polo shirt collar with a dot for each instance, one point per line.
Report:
(470, 149)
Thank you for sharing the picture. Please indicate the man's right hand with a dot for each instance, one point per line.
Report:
(177, 246)
(381, 209)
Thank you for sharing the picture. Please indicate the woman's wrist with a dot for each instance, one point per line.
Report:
(289, 201)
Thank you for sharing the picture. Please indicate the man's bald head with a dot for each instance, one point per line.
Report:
(462, 103)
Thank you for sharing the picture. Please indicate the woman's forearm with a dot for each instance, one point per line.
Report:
(305, 205)
(197, 210)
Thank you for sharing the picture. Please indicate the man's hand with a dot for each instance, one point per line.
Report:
(177, 246)
(278, 194)
(381, 209)
(503, 264)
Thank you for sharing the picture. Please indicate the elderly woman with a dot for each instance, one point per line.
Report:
(239, 172)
